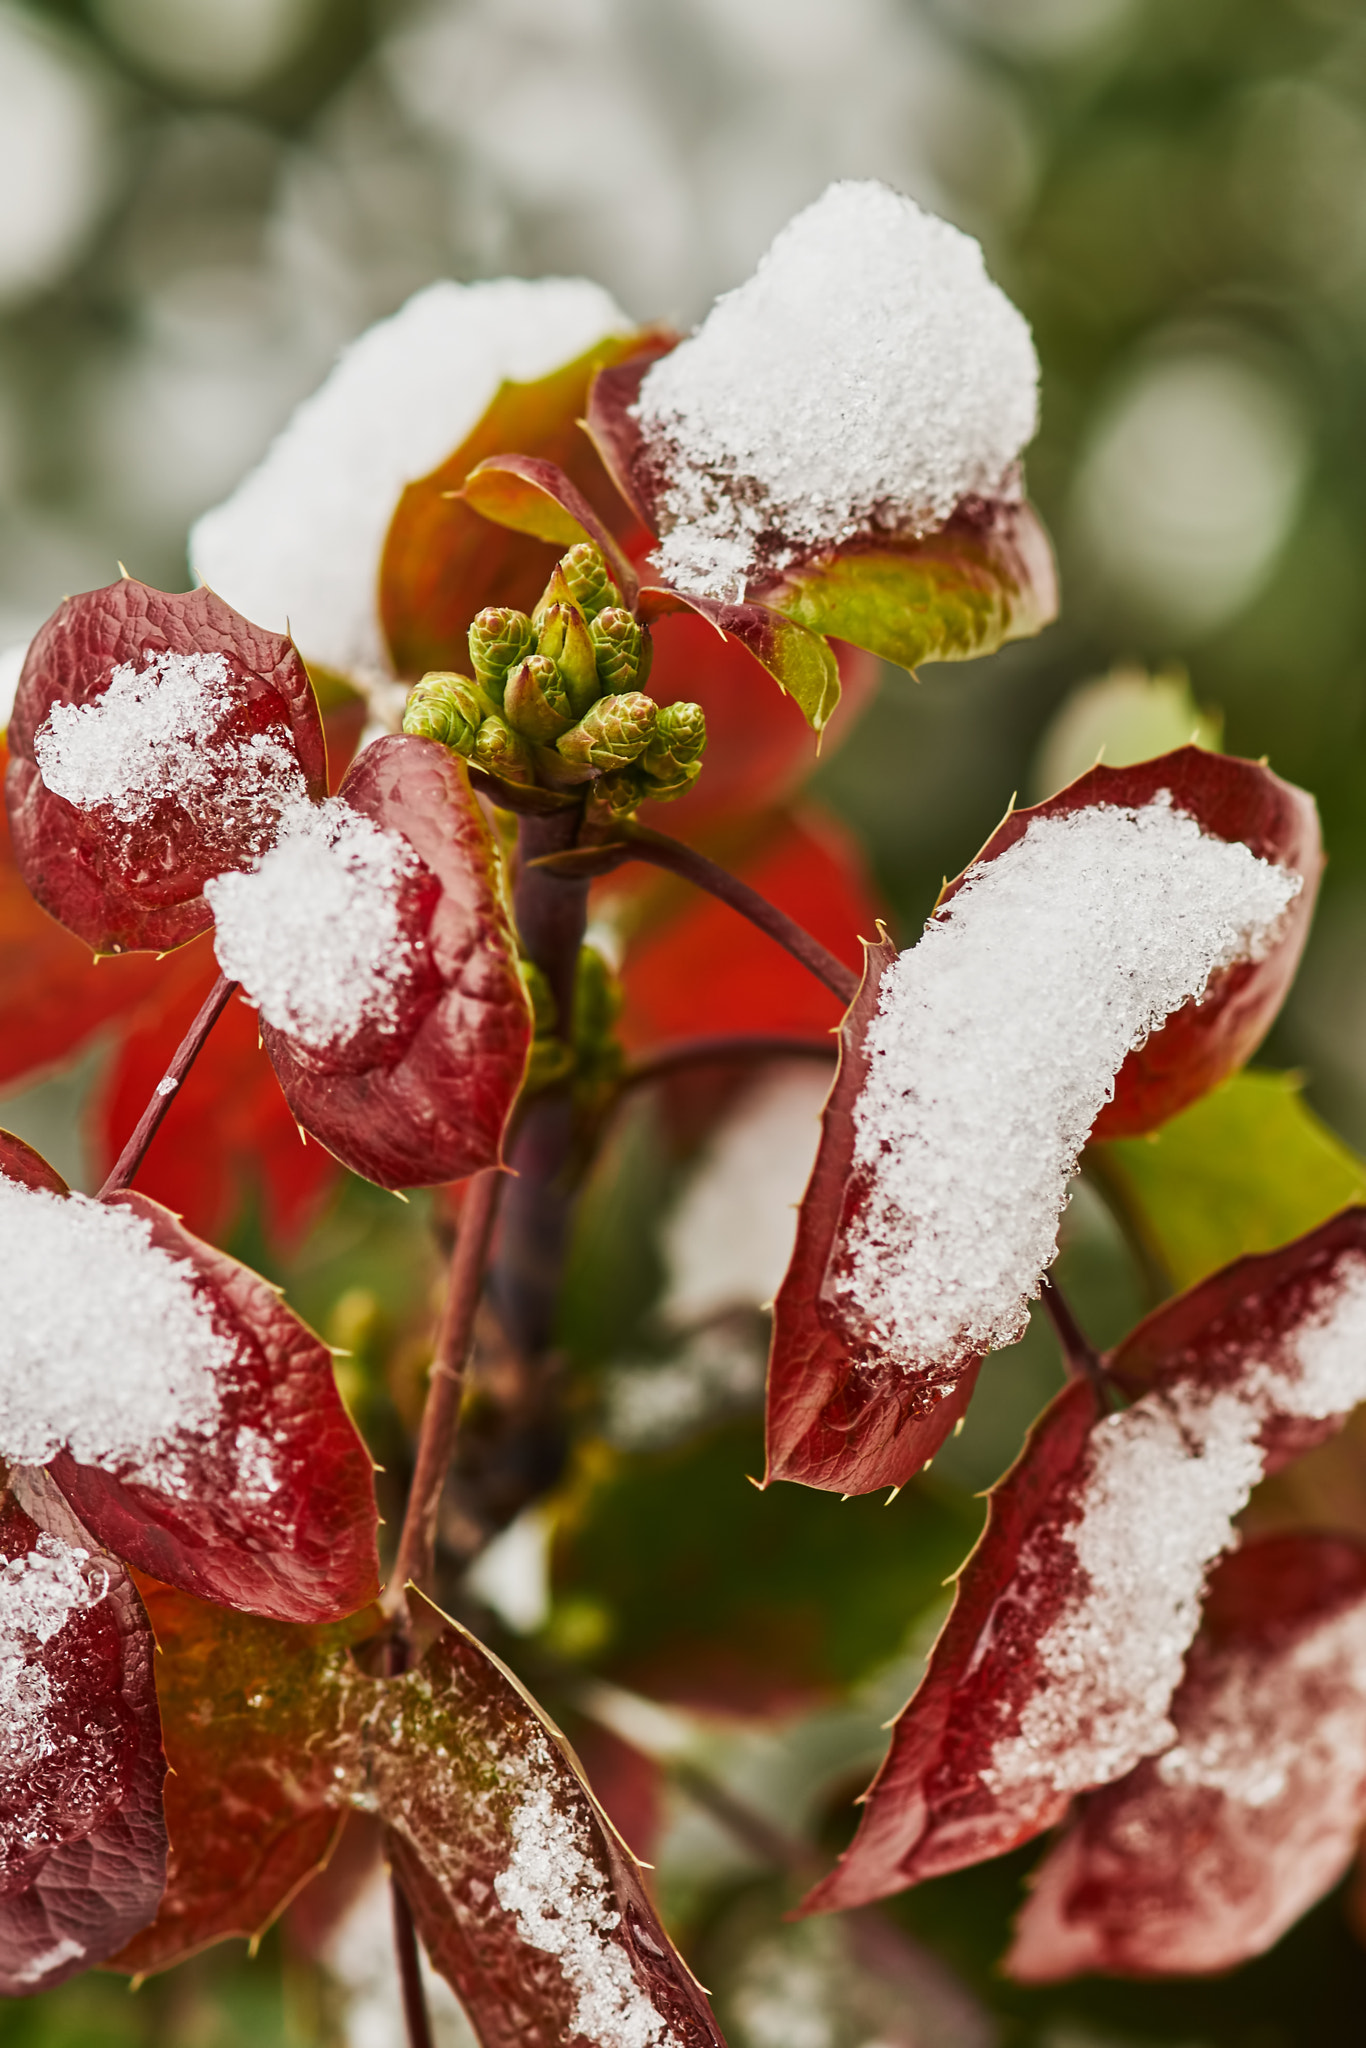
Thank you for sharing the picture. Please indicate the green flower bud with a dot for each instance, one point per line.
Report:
(618, 644)
(680, 735)
(447, 708)
(668, 789)
(501, 751)
(622, 792)
(590, 583)
(500, 638)
(557, 591)
(536, 701)
(615, 732)
(564, 639)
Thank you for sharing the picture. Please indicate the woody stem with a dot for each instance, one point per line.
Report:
(441, 1414)
(186, 1053)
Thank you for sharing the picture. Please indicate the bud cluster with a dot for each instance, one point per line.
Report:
(559, 697)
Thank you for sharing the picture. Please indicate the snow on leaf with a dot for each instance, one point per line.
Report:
(208, 1444)
(526, 1901)
(1056, 1668)
(155, 742)
(417, 1085)
(1203, 1856)
(1117, 949)
(866, 380)
(82, 1842)
(299, 543)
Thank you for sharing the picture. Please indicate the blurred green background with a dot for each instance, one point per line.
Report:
(201, 200)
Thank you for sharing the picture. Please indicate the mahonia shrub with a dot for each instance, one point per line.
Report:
(367, 827)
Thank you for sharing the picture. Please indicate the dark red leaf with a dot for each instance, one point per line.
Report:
(274, 1510)
(21, 1163)
(1055, 1669)
(1205, 1041)
(835, 1417)
(137, 883)
(254, 1717)
(82, 1840)
(845, 1412)
(432, 1103)
(52, 995)
(525, 1899)
(615, 429)
(1204, 1856)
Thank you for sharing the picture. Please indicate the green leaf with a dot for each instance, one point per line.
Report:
(956, 594)
(532, 496)
(1245, 1169)
(800, 661)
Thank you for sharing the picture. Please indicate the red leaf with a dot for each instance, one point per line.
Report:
(82, 1840)
(864, 1389)
(52, 996)
(19, 1162)
(430, 1105)
(1206, 1041)
(270, 1508)
(1204, 1856)
(615, 430)
(135, 881)
(525, 1900)
(836, 1418)
(694, 965)
(253, 1714)
(1057, 1665)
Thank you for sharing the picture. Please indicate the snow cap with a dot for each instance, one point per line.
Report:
(866, 379)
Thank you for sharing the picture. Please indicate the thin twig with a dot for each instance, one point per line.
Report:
(719, 1051)
(441, 1415)
(639, 842)
(186, 1053)
(416, 2019)
(1082, 1359)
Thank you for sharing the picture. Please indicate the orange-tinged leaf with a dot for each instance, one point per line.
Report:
(443, 562)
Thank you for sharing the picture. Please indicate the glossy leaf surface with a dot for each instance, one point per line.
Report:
(986, 577)
(443, 562)
(82, 1840)
(19, 1162)
(524, 1898)
(982, 1758)
(432, 1104)
(801, 662)
(1204, 1856)
(837, 1417)
(1245, 1169)
(274, 1511)
(529, 495)
(137, 885)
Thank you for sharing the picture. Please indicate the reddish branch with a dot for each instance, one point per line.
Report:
(186, 1053)
(441, 1415)
(1079, 1354)
(639, 842)
(416, 2020)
